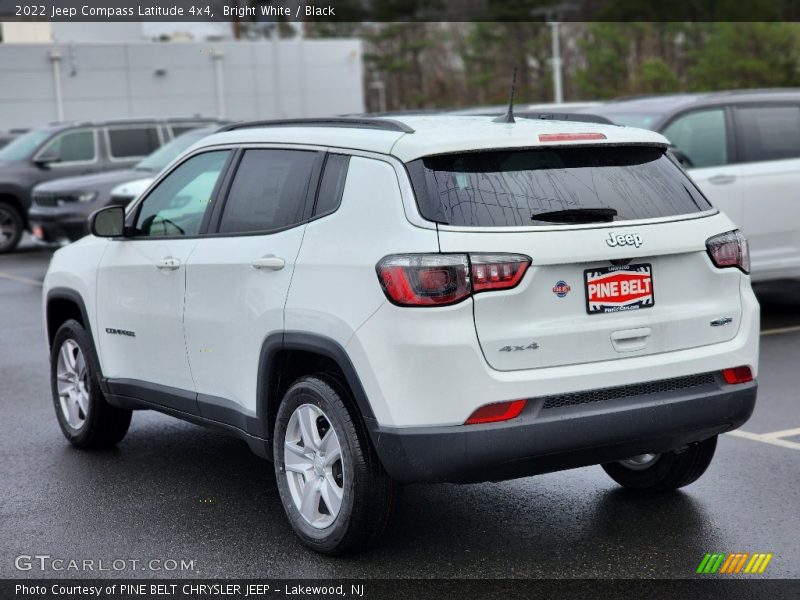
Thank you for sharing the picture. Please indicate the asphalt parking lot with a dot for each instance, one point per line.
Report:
(172, 490)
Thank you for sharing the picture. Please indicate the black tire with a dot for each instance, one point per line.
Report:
(102, 425)
(11, 227)
(369, 497)
(671, 470)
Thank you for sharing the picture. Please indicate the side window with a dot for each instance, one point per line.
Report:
(701, 136)
(331, 185)
(183, 128)
(768, 132)
(177, 205)
(268, 191)
(72, 146)
(132, 142)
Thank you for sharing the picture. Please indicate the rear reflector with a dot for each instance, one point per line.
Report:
(499, 411)
(570, 137)
(738, 375)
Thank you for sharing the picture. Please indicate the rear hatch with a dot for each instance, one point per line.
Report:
(616, 237)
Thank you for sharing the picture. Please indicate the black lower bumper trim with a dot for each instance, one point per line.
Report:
(575, 436)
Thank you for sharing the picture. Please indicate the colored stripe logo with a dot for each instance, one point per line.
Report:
(731, 564)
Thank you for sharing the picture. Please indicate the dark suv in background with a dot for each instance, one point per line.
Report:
(60, 208)
(69, 149)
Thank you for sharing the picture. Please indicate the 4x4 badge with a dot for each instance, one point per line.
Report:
(531, 346)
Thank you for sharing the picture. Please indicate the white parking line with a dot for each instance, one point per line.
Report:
(783, 434)
(765, 438)
(791, 329)
(20, 279)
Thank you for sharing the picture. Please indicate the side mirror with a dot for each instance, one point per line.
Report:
(46, 158)
(108, 222)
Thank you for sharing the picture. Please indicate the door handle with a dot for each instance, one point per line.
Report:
(168, 264)
(270, 262)
(630, 340)
(722, 179)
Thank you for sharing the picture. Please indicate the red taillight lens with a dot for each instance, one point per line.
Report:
(497, 271)
(737, 375)
(499, 411)
(425, 279)
(729, 250)
(442, 279)
(570, 137)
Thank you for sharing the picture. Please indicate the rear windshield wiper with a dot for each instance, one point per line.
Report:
(577, 215)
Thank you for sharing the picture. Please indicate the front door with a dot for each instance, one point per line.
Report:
(142, 282)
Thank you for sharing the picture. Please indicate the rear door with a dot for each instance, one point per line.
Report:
(595, 291)
(704, 138)
(238, 278)
(769, 177)
(128, 144)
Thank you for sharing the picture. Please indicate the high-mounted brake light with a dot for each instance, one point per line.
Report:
(498, 411)
(570, 137)
(443, 279)
(729, 250)
(737, 375)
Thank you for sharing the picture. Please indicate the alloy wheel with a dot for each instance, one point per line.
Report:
(314, 465)
(73, 384)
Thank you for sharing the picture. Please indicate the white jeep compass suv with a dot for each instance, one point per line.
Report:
(371, 302)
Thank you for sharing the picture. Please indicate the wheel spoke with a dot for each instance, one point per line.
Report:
(307, 419)
(309, 507)
(295, 459)
(68, 355)
(332, 456)
(80, 365)
(331, 494)
(73, 418)
(82, 398)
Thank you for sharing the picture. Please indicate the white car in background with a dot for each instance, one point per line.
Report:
(743, 150)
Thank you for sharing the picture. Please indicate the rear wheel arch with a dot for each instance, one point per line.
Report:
(285, 357)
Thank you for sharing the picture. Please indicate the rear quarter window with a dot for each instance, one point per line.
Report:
(132, 142)
(506, 188)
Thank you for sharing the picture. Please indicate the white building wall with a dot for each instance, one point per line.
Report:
(259, 80)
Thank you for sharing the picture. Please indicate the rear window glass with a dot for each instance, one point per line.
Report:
(507, 188)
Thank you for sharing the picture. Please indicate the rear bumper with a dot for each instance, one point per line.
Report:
(543, 440)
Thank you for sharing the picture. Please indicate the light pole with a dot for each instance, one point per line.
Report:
(558, 90)
(552, 16)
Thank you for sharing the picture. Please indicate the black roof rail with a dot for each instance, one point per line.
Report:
(358, 123)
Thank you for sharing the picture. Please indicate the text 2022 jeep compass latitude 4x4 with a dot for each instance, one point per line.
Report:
(371, 302)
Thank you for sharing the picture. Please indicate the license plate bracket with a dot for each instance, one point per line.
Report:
(618, 288)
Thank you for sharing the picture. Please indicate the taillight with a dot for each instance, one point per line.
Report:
(498, 411)
(497, 271)
(442, 279)
(729, 250)
(425, 279)
(737, 375)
